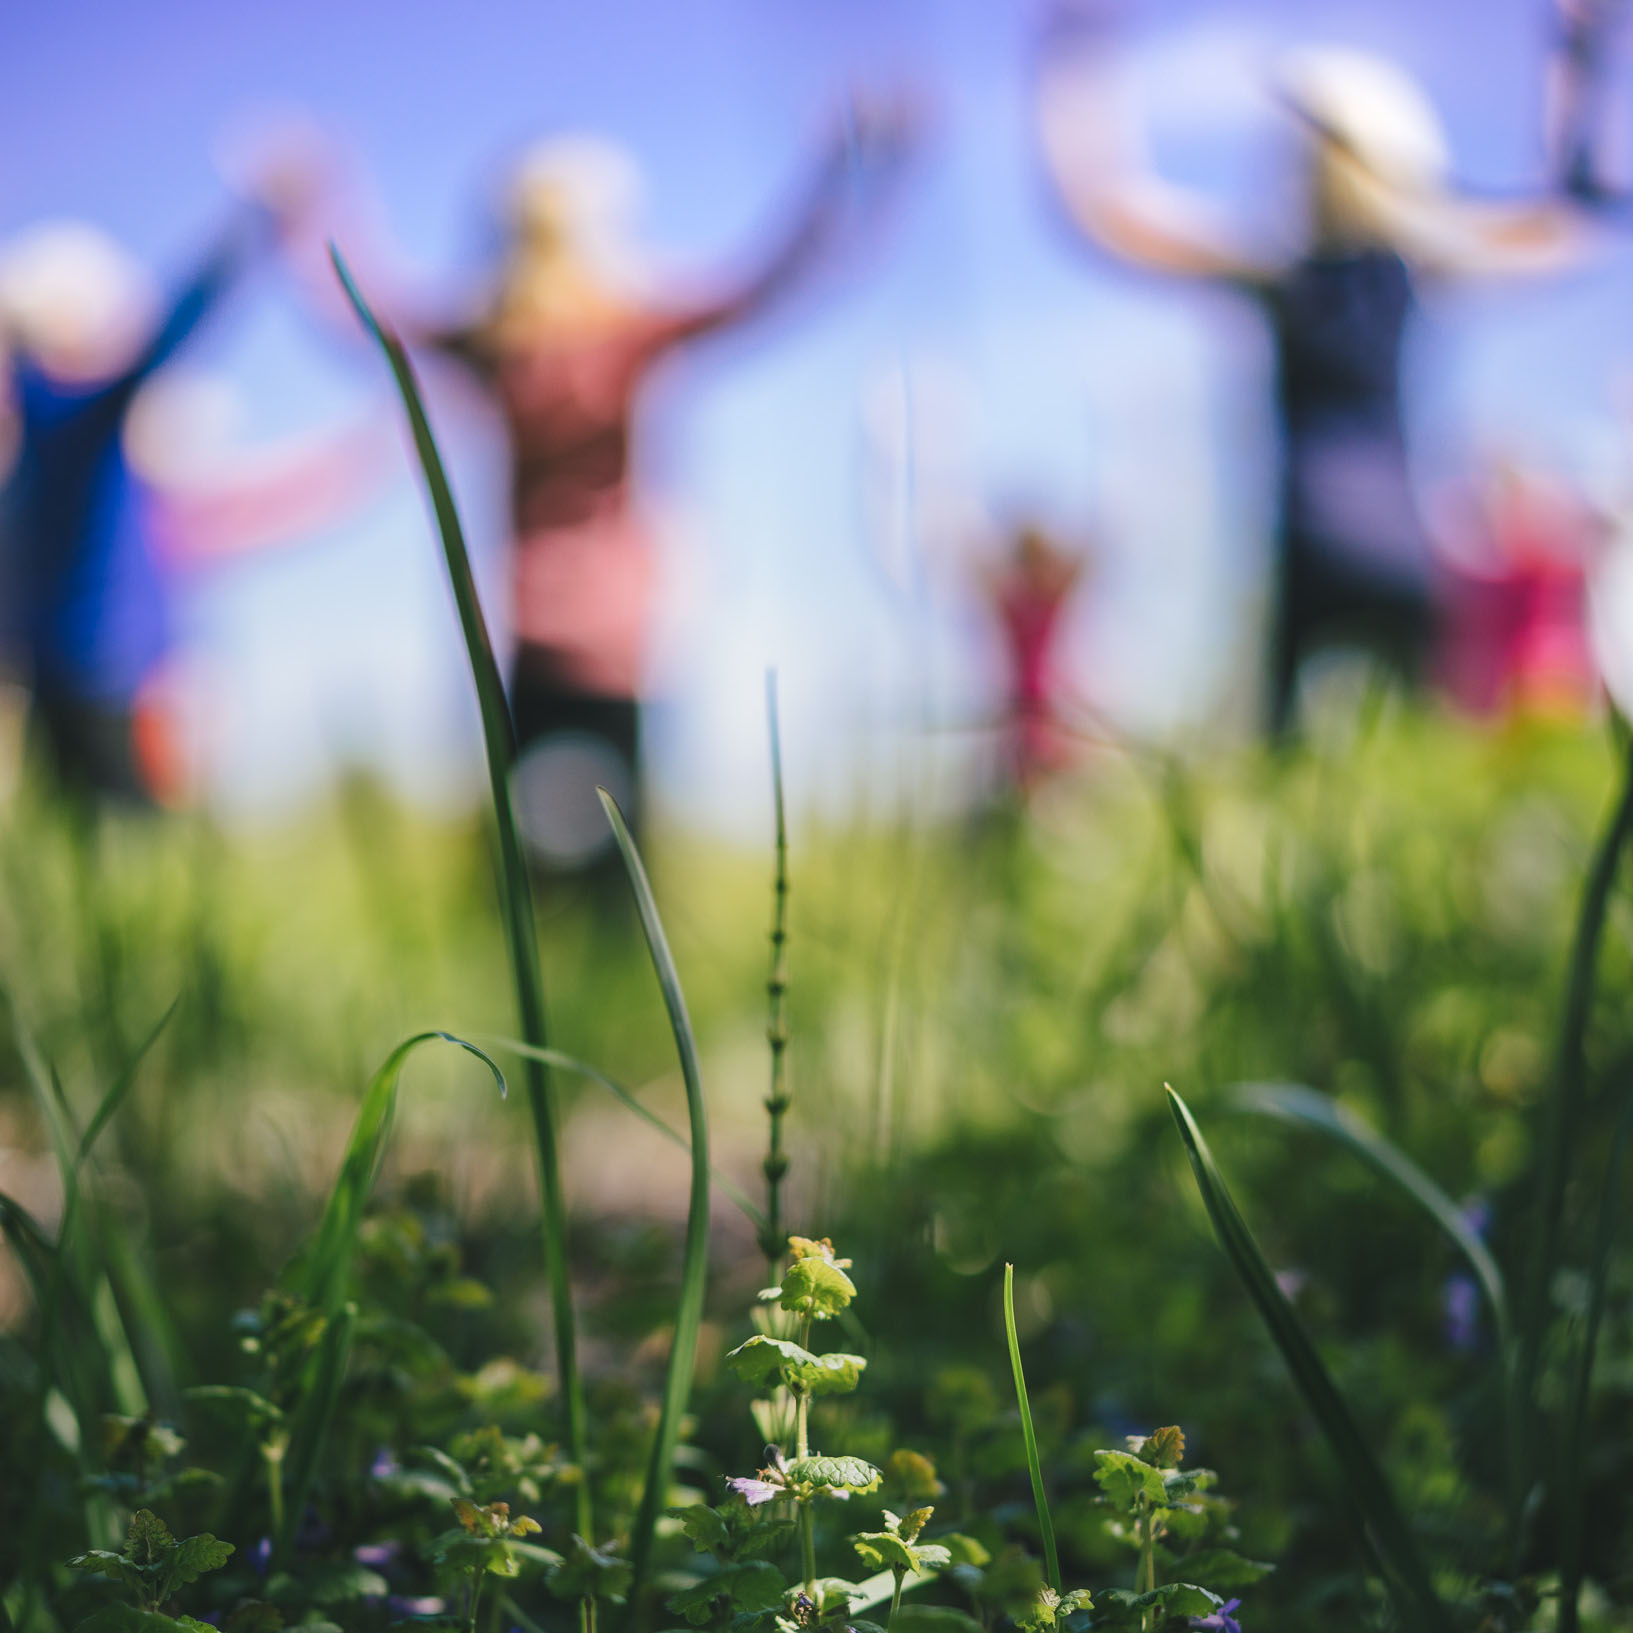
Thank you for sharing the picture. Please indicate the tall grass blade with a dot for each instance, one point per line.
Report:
(123, 1083)
(563, 1062)
(1572, 1496)
(314, 1415)
(1405, 1574)
(76, 1258)
(1293, 1103)
(677, 1386)
(1561, 1127)
(499, 741)
(325, 1276)
(1033, 1467)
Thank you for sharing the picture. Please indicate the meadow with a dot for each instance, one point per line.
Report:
(304, 1324)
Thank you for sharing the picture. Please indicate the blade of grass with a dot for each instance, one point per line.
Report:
(76, 1257)
(1033, 1467)
(724, 1183)
(1305, 1108)
(1572, 1496)
(123, 1083)
(1405, 1576)
(313, 1417)
(1561, 1127)
(677, 1386)
(499, 742)
(324, 1278)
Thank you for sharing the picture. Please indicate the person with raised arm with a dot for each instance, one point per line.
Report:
(85, 619)
(1353, 564)
(565, 344)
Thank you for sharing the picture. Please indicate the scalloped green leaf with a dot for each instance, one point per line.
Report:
(835, 1473)
(763, 1360)
(1125, 1478)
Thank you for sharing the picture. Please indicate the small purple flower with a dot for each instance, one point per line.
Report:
(398, 1605)
(384, 1465)
(1221, 1621)
(769, 1484)
(755, 1492)
(378, 1555)
(1291, 1283)
(260, 1556)
(1460, 1312)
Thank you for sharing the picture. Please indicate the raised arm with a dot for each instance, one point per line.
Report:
(1094, 159)
(859, 161)
(1576, 94)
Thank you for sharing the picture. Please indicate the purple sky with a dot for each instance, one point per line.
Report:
(1026, 375)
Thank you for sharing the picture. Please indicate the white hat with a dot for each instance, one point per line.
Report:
(585, 187)
(73, 298)
(1373, 108)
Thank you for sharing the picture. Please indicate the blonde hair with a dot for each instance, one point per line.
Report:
(570, 207)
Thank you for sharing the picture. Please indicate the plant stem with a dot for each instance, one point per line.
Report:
(272, 1454)
(895, 1598)
(476, 1594)
(589, 1615)
(807, 1544)
(778, 1098)
(1563, 1115)
(1148, 1559)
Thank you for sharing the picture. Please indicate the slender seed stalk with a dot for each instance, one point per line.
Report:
(778, 1098)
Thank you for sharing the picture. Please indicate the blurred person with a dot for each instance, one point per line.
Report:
(1028, 591)
(85, 621)
(1516, 550)
(565, 344)
(1353, 565)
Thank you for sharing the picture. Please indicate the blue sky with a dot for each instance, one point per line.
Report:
(1023, 375)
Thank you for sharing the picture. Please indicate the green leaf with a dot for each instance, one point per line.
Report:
(816, 1287)
(834, 1473)
(933, 1619)
(1305, 1108)
(752, 1586)
(762, 1360)
(1126, 1478)
(881, 1550)
(1034, 1467)
(1406, 1576)
(197, 1555)
(1223, 1570)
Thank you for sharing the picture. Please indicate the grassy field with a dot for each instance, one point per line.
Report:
(982, 1018)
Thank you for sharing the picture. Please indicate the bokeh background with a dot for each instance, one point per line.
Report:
(824, 479)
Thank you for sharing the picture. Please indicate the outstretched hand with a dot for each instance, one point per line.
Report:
(876, 133)
(286, 169)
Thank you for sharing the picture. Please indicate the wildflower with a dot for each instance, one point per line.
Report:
(1222, 1620)
(771, 1483)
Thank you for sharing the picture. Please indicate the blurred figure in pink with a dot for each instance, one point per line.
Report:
(1353, 565)
(1029, 591)
(1516, 551)
(565, 344)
